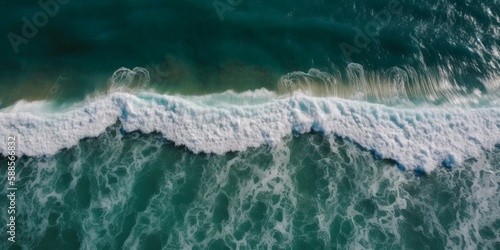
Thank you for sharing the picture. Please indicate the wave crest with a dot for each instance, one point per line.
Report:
(416, 138)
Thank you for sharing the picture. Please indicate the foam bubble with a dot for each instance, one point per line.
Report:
(417, 138)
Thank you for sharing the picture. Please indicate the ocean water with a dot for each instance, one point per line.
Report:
(251, 124)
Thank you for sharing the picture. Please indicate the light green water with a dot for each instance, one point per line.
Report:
(309, 192)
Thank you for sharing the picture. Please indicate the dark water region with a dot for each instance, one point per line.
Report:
(188, 49)
(310, 192)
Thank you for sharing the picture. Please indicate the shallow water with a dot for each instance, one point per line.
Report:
(311, 191)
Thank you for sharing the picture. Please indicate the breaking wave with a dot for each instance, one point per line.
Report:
(417, 138)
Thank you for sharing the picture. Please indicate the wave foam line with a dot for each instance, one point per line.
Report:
(418, 139)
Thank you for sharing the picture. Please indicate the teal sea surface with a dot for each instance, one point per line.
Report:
(250, 124)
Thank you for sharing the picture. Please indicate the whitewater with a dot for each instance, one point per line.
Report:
(417, 138)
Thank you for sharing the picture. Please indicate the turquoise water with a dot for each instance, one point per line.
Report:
(309, 192)
(269, 125)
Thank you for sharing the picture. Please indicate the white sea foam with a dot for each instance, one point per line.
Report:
(416, 138)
